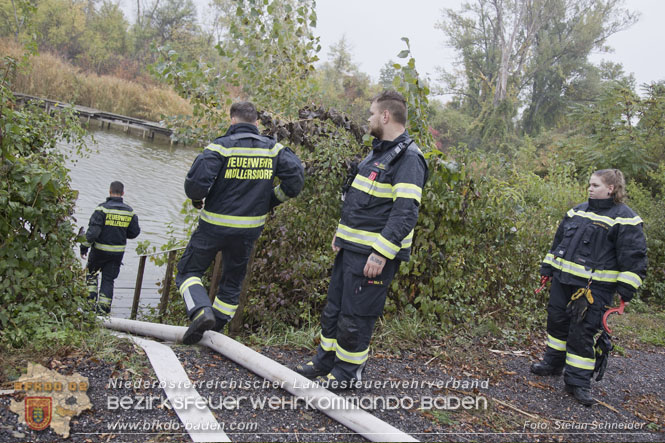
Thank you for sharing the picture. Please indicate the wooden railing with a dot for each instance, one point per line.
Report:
(168, 277)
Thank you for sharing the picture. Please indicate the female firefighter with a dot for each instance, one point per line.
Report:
(599, 249)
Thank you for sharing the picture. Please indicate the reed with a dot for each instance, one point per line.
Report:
(49, 76)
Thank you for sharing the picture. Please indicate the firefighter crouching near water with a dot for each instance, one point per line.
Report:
(373, 236)
(234, 174)
(600, 246)
(111, 224)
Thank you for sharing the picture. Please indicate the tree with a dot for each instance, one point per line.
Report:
(515, 52)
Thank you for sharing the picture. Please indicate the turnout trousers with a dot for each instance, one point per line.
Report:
(353, 305)
(571, 343)
(108, 264)
(199, 254)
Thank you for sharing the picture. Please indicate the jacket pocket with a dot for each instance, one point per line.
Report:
(568, 235)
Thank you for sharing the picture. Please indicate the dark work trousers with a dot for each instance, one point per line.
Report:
(199, 254)
(347, 321)
(108, 263)
(571, 343)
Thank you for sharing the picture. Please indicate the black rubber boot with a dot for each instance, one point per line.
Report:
(219, 324)
(310, 370)
(542, 368)
(202, 321)
(582, 395)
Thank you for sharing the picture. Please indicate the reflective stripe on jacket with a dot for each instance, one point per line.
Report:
(602, 241)
(111, 224)
(381, 207)
(235, 174)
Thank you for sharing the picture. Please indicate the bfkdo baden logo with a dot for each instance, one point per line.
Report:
(47, 399)
(38, 412)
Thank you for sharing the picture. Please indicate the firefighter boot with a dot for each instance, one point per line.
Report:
(310, 370)
(219, 324)
(202, 321)
(582, 395)
(542, 368)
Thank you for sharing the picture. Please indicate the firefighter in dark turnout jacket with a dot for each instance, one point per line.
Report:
(373, 236)
(111, 224)
(600, 246)
(234, 175)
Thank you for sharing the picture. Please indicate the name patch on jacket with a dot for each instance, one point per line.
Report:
(118, 220)
(249, 168)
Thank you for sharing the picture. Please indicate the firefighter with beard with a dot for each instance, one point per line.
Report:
(111, 224)
(599, 249)
(374, 235)
(234, 175)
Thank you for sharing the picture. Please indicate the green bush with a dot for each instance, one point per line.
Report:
(41, 281)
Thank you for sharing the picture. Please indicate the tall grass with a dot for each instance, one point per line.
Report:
(51, 77)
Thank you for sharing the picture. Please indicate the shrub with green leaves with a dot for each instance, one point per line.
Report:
(41, 281)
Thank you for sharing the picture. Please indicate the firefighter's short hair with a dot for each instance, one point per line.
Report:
(116, 188)
(394, 102)
(244, 111)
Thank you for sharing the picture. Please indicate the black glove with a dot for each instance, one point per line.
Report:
(84, 250)
(625, 293)
(603, 348)
(198, 204)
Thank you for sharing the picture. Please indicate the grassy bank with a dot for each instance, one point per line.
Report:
(51, 77)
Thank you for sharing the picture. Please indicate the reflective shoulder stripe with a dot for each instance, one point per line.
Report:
(114, 211)
(632, 221)
(249, 152)
(233, 221)
(109, 248)
(281, 196)
(351, 357)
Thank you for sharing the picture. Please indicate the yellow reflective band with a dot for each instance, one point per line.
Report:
(249, 152)
(407, 190)
(233, 221)
(630, 278)
(191, 281)
(580, 271)
(372, 239)
(281, 196)
(555, 343)
(633, 221)
(114, 211)
(386, 248)
(103, 300)
(580, 362)
(109, 248)
(356, 358)
(224, 308)
(328, 344)
(386, 190)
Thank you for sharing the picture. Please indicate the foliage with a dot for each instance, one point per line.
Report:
(41, 282)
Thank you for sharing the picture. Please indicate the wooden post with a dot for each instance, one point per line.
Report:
(137, 287)
(164, 301)
(216, 276)
(235, 326)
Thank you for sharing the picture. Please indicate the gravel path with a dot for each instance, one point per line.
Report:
(467, 394)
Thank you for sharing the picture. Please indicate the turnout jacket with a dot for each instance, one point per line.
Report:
(381, 207)
(599, 240)
(111, 224)
(235, 173)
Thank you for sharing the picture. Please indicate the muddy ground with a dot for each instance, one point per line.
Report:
(502, 400)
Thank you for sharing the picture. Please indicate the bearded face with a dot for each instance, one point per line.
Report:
(375, 121)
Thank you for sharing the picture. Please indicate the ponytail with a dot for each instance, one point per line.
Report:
(614, 177)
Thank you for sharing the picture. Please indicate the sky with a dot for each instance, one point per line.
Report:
(374, 29)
